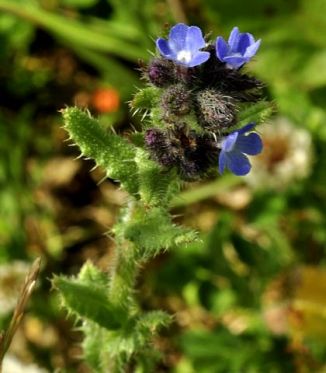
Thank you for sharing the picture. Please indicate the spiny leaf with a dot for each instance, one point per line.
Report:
(150, 322)
(104, 350)
(108, 150)
(152, 230)
(92, 345)
(258, 113)
(90, 275)
(110, 351)
(88, 301)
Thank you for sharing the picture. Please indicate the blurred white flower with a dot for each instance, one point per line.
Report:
(12, 365)
(12, 277)
(286, 156)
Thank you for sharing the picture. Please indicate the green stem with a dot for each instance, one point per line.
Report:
(123, 276)
(199, 193)
(125, 267)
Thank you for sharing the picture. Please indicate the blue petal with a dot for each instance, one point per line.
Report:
(222, 162)
(177, 37)
(244, 42)
(250, 144)
(235, 61)
(246, 128)
(252, 49)
(251, 38)
(234, 38)
(222, 48)
(238, 163)
(194, 39)
(198, 59)
(229, 142)
(164, 48)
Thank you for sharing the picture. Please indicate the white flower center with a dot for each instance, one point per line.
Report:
(184, 56)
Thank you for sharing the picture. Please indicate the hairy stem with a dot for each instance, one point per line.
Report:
(125, 265)
(123, 276)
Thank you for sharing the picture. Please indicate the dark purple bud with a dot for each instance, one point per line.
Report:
(161, 72)
(152, 136)
(158, 144)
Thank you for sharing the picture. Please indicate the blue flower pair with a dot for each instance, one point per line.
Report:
(185, 43)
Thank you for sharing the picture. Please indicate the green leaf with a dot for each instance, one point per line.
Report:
(89, 275)
(87, 302)
(150, 322)
(258, 113)
(107, 351)
(93, 346)
(78, 3)
(108, 150)
(152, 231)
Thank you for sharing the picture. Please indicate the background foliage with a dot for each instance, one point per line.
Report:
(250, 295)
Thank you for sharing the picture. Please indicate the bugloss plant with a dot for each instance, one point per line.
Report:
(195, 109)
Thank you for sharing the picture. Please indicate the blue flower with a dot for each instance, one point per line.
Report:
(183, 46)
(234, 145)
(239, 49)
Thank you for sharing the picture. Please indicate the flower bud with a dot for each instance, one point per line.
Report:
(176, 101)
(161, 72)
(215, 111)
(159, 147)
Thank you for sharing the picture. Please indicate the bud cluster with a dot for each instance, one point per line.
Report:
(178, 146)
(199, 89)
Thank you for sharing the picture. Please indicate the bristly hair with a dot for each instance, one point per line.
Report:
(176, 101)
(215, 111)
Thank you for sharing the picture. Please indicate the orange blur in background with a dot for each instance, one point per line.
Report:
(106, 100)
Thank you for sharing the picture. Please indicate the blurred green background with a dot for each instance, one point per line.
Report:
(248, 297)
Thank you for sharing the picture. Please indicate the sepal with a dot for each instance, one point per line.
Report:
(145, 98)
